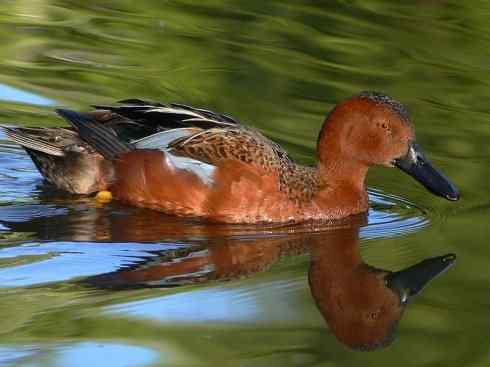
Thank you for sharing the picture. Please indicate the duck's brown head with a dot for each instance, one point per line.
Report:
(374, 129)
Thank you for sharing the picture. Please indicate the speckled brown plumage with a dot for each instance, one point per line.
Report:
(218, 145)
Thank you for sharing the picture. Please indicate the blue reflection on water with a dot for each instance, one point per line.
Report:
(248, 303)
(80, 354)
(8, 93)
(11, 356)
(95, 354)
(68, 260)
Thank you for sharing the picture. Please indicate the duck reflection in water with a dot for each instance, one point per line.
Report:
(361, 304)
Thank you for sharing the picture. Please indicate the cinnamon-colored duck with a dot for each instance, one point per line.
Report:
(192, 162)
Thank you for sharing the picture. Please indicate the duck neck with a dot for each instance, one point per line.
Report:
(342, 186)
(338, 165)
(338, 173)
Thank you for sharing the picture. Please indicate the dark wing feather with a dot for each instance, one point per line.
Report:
(100, 137)
(209, 115)
(162, 117)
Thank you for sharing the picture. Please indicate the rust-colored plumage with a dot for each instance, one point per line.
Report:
(193, 162)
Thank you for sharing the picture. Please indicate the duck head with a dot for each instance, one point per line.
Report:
(373, 129)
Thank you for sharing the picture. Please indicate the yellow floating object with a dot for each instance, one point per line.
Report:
(103, 196)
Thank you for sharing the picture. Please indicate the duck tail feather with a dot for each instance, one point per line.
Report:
(31, 142)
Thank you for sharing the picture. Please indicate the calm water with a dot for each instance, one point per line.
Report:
(83, 284)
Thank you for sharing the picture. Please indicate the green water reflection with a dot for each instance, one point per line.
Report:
(279, 66)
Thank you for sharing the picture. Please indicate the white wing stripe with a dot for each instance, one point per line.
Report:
(176, 111)
(162, 139)
(203, 170)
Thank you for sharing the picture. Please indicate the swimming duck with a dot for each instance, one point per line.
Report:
(192, 162)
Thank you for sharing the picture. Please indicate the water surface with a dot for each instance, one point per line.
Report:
(73, 285)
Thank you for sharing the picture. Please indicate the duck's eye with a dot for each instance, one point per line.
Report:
(373, 315)
(385, 126)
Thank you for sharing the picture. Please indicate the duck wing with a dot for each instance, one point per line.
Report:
(100, 136)
(180, 130)
(162, 117)
(201, 150)
(218, 145)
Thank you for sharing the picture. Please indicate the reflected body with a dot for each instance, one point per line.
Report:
(192, 162)
(362, 305)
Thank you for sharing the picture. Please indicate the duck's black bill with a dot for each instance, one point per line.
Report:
(419, 167)
(410, 282)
